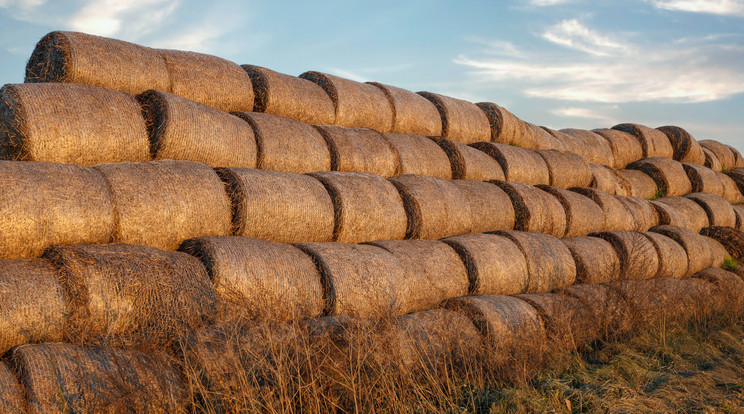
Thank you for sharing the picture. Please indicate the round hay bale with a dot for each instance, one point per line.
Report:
(366, 207)
(653, 142)
(549, 262)
(12, 397)
(70, 124)
(662, 299)
(699, 254)
(468, 163)
(703, 179)
(643, 212)
(287, 145)
(62, 378)
(672, 256)
(277, 206)
(739, 211)
(546, 138)
(519, 164)
(669, 215)
(420, 155)
(731, 192)
(209, 80)
(738, 159)
(181, 129)
(641, 184)
(729, 287)
(737, 174)
(504, 321)
(625, 147)
(412, 113)
(566, 169)
(507, 128)
(99, 61)
(719, 211)
(718, 251)
(722, 152)
(495, 264)
(608, 309)
(686, 148)
(690, 210)
(490, 207)
(535, 210)
(569, 322)
(609, 180)
(357, 104)
(711, 160)
(360, 150)
(162, 203)
(290, 97)
(129, 294)
(45, 204)
(594, 148)
(435, 208)
(462, 121)
(583, 215)
(669, 175)
(616, 214)
(639, 258)
(731, 239)
(596, 259)
(259, 279)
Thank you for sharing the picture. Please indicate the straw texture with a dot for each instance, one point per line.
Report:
(504, 321)
(625, 147)
(11, 393)
(643, 212)
(608, 309)
(719, 211)
(712, 161)
(567, 319)
(609, 180)
(653, 142)
(462, 121)
(669, 215)
(739, 211)
(468, 163)
(596, 259)
(546, 138)
(639, 258)
(686, 148)
(703, 179)
(718, 250)
(583, 215)
(641, 184)
(731, 239)
(673, 261)
(507, 128)
(519, 165)
(669, 175)
(566, 169)
(689, 209)
(412, 113)
(722, 152)
(360, 150)
(420, 155)
(490, 207)
(738, 158)
(535, 210)
(737, 174)
(731, 192)
(617, 216)
(699, 254)
(591, 146)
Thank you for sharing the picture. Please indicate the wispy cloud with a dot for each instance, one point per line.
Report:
(547, 2)
(572, 34)
(719, 7)
(583, 113)
(497, 47)
(112, 17)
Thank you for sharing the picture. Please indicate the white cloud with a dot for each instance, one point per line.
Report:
(584, 113)
(113, 17)
(547, 2)
(719, 7)
(574, 35)
(497, 47)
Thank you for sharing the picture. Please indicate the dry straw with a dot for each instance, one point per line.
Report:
(507, 128)
(462, 121)
(686, 148)
(45, 204)
(731, 192)
(277, 206)
(596, 259)
(731, 239)
(609, 309)
(739, 211)
(468, 163)
(591, 146)
(641, 184)
(699, 254)
(729, 287)
(718, 250)
(360, 150)
(566, 169)
(711, 160)
(719, 211)
(98, 61)
(638, 256)
(625, 147)
(583, 215)
(163, 203)
(693, 213)
(412, 113)
(505, 321)
(546, 138)
(519, 164)
(420, 155)
(290, 97)
(669, 175)
(643, 212)
(737, 174)
(669, 215)
(703, 179)
(535, 210)
(181, 129)
(653, 142)
(287, 145)
(722, 152)
(673, 261)
(609, 180)
(70, 124)
(358, 105)
(738, 159)
(490, 207)
(568, 320)
(616, 214)
(12, 397)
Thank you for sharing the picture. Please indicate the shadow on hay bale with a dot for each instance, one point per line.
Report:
(711, 160)
(673, 260)
(669, 215)
(731, 239)
(583, 215)
(703, 179)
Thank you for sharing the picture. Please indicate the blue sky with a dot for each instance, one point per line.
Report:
(559, 63)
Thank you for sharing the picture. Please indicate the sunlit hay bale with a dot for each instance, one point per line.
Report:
(643, 212)
(594, 148)
(259, 279)
(412, 113)
(711, 160)
(507, 128)
(569, 322)
(672, 256)
(719, 211)
(468, 163)
(690, 210)
(669, 215)
(609, 180)
(739, 211)
(70, 124)
(697, 248)
(669, 175)
(182, 129)
(420, 155)
(98, 61)
(722, 152)
(703, 179)
(45, 204)
(209, 80)
(583, 215)
(435, 207)
(638, 256)
(490, 207)
(731, 192)
(290, 97)
(641, 184)
(566, 169)
(738, 159)
(616, 214)
(718, 251)
(12, 397)
(596, 259)
(686, 148)
(495, 264)
(546, 138)
(625, 147)
(357, 104)
(729, 299)
(61, 378)
(366, 207)
(462, 121)
(731, 239)
(288, 145)
(609, 312)
(653, 142)
(519, 164)
(360, 150)
(535, 210)
(32, 303)
(162, 203)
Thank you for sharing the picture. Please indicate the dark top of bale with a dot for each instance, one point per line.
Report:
(721, 151)
(358, 105)
(412, 113)
(731, 192)
(703, 179)
(719, 211)
(739, 211)
(617, 215)
(731, 239)
(673, 261)
(420, 155)
(689, 209)
(718, 250)
(519, 164)
(669, 175)
(686, 148)
(566, 169)
(288, 145)
(643, 212)
(583, 215)
(507, 128)
(99, 61)
(638, 256)
(503, 320)
(592, 146)
(435, 207)
(45, 204)
(654, 142)
(609, 180)
(534, 209)
(669, 215)
(276, 206)
(11, 392)
(495, 264)
(642, 185)
(162, 203)
(366, 207)
(259, 279)
(462, 121)
(360, 150)
(468, 163)
(546, 138)
(290, 97)
(699, 254)
(490, 207)
(625, 147)
(596, 259)
(711, 160)
(182, 129)
(85, 125)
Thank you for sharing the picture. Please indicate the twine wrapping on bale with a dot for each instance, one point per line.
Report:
(583, 215)
(70, 124)
(609, 180)
(731, 239)
(98, 61)
(163, 203)
(616, 214)
(711, 160)
(490, 207)
(519, 164)
(45, 204)
(545, 138)
(259, 279)
(699, 254)
(690, 210)
(719, 211)
(566, 169)
(722, 152)
(357, 105)
(643, 212)
(535, 210)
(596, 259)
(669, 215)
(412, 113)
(638, 256)
(653, 142)
(593, 147)
(462, 121)
(641, 184)
(277, 206)
(625, 147)
(507, 128)
(468, 163)
(609, 309)
(568, 320)
(703, 179)
(12, 397)
(181, 129)
(686, 148)
(673, 259)
(739, 211)
(366, 207)
(287, 145)
(718, 251)
(669, 175)
(731, 192)
(420, 155)
(290, 97)
(360, 150)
